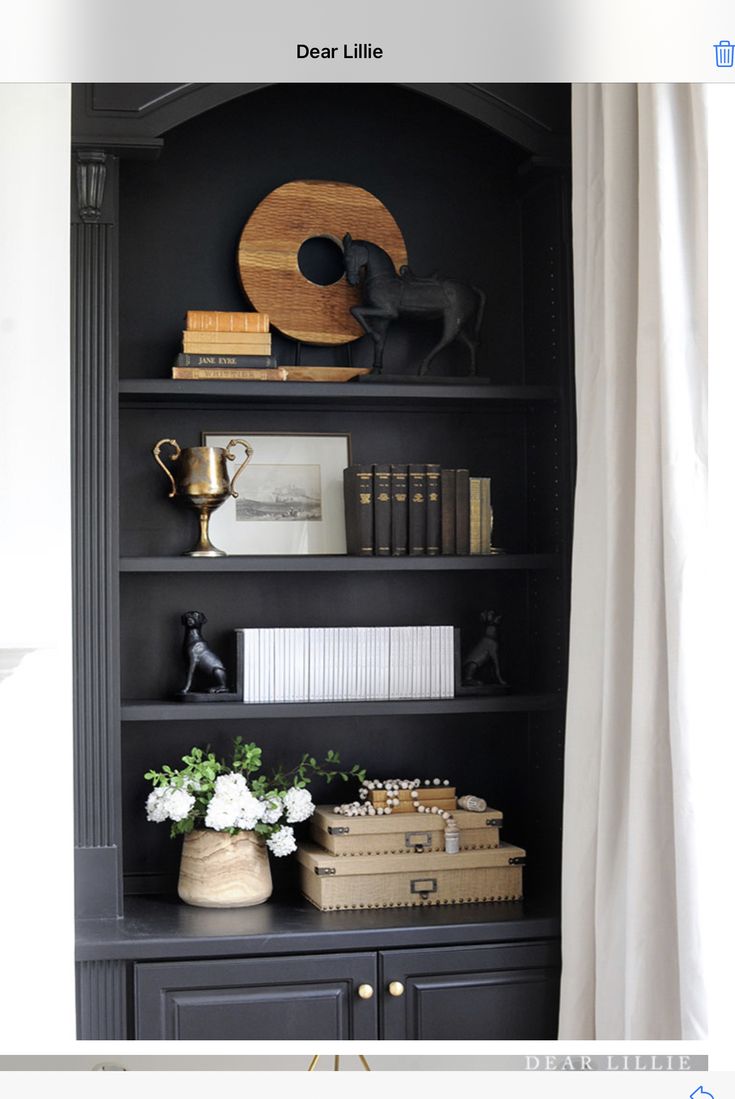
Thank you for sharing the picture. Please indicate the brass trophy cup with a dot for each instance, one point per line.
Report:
(200, 478)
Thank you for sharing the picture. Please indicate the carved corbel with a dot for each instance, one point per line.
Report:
(91, 175)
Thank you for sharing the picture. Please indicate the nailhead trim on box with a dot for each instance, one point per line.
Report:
(412, 850)
(420, 903)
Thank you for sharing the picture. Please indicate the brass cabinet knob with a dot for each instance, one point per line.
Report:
(396, 988)
(365, 992)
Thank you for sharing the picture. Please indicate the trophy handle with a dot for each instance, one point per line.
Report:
(231, 458)
(166, 470)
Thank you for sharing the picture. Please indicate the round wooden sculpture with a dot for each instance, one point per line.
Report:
(269, 249)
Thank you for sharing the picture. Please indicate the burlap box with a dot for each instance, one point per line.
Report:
(334, 882)
(401, 833)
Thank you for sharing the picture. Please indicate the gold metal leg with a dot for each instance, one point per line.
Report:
(315, 1058)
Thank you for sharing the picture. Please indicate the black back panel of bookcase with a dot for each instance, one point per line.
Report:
(471, 204)
(449, 183)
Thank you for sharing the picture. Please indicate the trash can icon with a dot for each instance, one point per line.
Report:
(724, 54)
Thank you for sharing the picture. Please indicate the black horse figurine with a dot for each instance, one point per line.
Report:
(387, 295)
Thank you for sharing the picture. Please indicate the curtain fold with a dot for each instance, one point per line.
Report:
(630, 889)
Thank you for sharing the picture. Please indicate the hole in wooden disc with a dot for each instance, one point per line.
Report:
(321, 261)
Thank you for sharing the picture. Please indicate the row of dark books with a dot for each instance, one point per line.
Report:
(417, 509)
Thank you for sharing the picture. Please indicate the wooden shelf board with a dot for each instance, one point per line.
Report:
(163, 927)
(340, 563)
(230, 711)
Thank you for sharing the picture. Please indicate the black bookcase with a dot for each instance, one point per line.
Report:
(164, 177)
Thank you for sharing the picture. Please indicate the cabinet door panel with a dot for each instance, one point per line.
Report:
(256, 998)
(508, 991)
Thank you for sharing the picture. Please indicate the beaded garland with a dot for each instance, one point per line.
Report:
(362, 808)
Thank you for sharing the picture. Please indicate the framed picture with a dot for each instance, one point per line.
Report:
(290, 497)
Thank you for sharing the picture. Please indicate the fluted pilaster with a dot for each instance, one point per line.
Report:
(94, 433)
(101, 1001)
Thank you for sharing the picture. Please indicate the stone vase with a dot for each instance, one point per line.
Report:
(222, 871)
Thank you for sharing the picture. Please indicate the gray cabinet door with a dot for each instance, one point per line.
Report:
(308, 996)
(475, 992)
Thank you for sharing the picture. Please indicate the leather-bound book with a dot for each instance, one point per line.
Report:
(462, 494)
(381, 509)
(228, 374)
(475, 546)
(448, 511)
(416, 510)
(224, 362)
(210, 320)
(399, 510)
(226, 343)
(358, 490)
(433, 510)
(486, 517)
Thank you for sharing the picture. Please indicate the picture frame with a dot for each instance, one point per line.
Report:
(290, 497)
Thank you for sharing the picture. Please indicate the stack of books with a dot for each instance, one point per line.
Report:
(415, 510)
(346, 663)
(226, 346)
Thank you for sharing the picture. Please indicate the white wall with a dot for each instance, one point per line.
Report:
(36, 918)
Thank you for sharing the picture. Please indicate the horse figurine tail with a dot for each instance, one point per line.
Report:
(473, 340)
(480, 313)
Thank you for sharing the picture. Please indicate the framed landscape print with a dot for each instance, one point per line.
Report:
(290, 497)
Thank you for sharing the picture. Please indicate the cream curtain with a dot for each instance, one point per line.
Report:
(631, 919)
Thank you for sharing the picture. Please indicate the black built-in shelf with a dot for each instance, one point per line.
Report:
(494, 211)
(340, 563)
(159, 927)
(243, 711)
(169, 393)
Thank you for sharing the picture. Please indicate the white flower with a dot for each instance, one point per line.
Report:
(282, 842)
(168, 803)
(233, 805)
(251, 811)
(272, 809)
(156, 808)
(298, 805)
(180, 803)
(222, 813)
(231, 786)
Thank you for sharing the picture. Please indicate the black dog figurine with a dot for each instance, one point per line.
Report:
(483, 656)
(198, 656)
